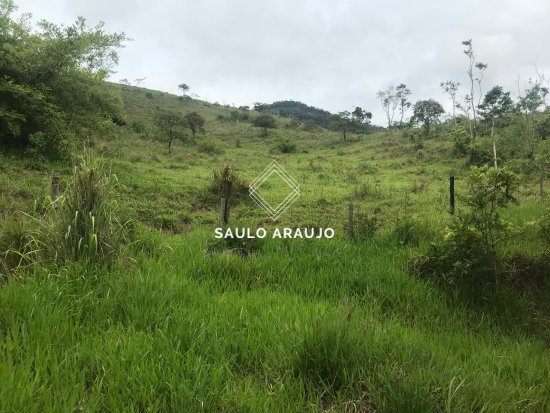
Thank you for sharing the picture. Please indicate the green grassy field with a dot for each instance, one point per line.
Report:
(300, 325)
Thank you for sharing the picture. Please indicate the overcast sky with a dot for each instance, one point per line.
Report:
(333, 54)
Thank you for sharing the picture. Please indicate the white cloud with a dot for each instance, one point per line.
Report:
(331, 54)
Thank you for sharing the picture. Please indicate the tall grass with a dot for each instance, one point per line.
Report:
(87, 214)
(309, 326)
(82, 224)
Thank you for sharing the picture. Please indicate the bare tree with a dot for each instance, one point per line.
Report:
(475, 77)
(402, 93)
(139, 81)
(389, 102)
(450, 87)
(466, 108)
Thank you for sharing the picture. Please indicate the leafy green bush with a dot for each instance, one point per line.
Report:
(285, 145)
(461, 141)
(469, 249)
(480, 153)
(542, 126)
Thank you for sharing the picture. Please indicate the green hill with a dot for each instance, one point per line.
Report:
(178, 323)
(296, 110)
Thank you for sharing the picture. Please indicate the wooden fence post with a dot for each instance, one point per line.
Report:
(224, 210)
(350, 221)
(452, 195)
(55, 188)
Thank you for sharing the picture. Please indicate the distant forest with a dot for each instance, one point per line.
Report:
(296, 110)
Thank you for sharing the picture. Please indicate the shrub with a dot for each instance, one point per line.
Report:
(470, 246)
(542, 126)
(47, 144)
(364, 226)
(239, 187)
(285, 145)
(264, 121)
(458, 256)
(480, 154)
(209, 148)
(461, 141)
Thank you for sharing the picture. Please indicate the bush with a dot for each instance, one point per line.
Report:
(364, 226)
(481, 154)
(47, 144)
(264, 121)
(286, 146)
(542, 126)
(458, 256)
(239, 187)
(461, 141)
(209, 148)
(469, 249)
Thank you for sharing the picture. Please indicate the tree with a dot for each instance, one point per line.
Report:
(541, 163)
(139, 81)
(342, 121)
(532, 101)
(496, 103)
(264, 121)
(450, 87)
(389, 103)
(472, 65)
(402, 93)
(184, 89)
(427, 112)
(52, 81)
(361, 117)
(171, 125)
(195, 122)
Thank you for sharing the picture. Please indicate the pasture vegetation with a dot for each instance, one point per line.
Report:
(118, 297)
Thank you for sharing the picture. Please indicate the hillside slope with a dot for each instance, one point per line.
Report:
(179, 323)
